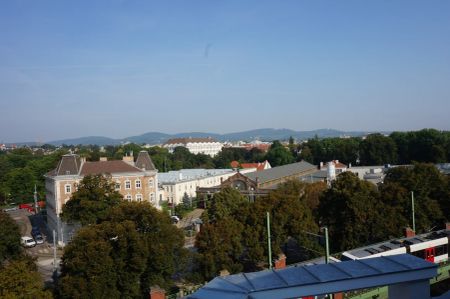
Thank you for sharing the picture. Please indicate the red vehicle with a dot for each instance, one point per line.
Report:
(26, 206)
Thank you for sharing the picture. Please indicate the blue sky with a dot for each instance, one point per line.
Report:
(121, 68)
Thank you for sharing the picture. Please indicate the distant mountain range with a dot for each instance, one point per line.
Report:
(258, 134)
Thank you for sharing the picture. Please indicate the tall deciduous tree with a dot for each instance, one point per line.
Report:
(431, 193)
(20, 279)
(92, 201)
(9, 238)
(135, 248)
(377, 149)
(351, 210)
(278, 155)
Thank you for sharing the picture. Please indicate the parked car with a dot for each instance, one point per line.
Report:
(175, 219)
(27, 241)
(10, 209)
(38, 239)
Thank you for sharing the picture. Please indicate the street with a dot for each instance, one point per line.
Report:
(43, 252)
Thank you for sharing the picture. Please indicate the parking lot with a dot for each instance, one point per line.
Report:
(43, 252)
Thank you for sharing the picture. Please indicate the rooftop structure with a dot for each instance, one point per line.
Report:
(276, 175)
(407, 278)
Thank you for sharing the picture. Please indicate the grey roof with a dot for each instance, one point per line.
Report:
(278, 172)
(183, 175)
(68, 165)
(144, 161)
(294, 282)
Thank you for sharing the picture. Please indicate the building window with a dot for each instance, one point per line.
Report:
(150, 183)
(128, 197)
(68, 188)
(117, 185)
(152, 197)
(127, 185)
(139, 197)
(138, 184)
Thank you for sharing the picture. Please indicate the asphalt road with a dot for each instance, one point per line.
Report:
(43, 252)
(187, 220)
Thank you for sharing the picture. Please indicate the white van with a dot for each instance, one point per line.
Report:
(27, 242)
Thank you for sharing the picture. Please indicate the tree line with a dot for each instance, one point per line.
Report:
(427, 145)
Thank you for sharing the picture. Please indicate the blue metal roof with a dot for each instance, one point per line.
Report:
(312, 280)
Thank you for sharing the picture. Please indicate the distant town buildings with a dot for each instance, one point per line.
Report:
(259, 183)
(174, 185)
(207, 146)
(135, 180)
(256, 144)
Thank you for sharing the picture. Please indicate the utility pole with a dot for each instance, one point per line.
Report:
(269, 243)
(35, 201)
(54, 251)
(412, 209)
(327, 246)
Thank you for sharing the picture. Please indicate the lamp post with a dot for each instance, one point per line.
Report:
(269, 242)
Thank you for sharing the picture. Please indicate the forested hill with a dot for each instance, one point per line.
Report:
(267, 134)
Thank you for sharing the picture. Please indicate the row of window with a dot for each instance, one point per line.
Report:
(137, 184)
(138, 197)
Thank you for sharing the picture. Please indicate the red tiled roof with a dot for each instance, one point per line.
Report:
(259, 166)
(263, 147)
(107, 167)
(234, 164)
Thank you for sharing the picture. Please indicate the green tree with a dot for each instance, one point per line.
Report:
(163, 241)
(92, 202)
(278, 155)
(103, 261)
(352, 211)
(20, 184)
(234, 235)
(377, 149)
(431, 193)
(20, 279)
(9, 238)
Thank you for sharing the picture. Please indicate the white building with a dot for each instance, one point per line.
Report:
(207, 146)
(174, 184)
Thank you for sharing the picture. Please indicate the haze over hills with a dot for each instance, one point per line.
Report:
(266, 134)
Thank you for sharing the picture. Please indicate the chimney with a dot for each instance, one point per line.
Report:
(224, 272)
(409, 232)
(128, 159)
(82, 160)
(280, 262)
(157, 293)
(103, 159)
